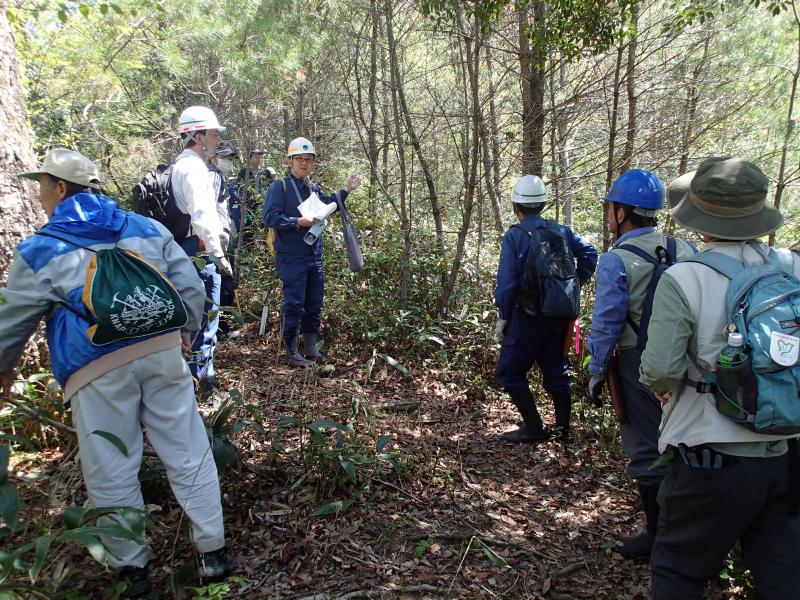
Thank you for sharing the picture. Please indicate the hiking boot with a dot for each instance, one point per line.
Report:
(525, 435)
(137, 580)
(532, 430)
(635, 546)
(216, 564)
(293, 356)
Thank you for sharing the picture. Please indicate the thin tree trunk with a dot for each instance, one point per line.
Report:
(472, 44)
(414, 139)
(612, 137)
(630, 87)
(491, 148)
(526, 77)
(692, 98)
(563, 153)
(780, 184)
(372, 134)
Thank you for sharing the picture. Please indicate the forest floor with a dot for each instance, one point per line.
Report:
(442, 509)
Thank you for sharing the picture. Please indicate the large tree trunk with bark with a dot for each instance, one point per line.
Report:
(20, 212)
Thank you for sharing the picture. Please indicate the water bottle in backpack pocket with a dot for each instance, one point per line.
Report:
(736, 390)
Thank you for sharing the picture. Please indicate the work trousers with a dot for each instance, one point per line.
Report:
(530, 340)
(303, 289)
(705, 511)
(643, 417)
(154, 392)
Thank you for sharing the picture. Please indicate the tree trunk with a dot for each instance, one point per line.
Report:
(532, 71)
(491, 148)
(372, 134)
(630, 86)
(612, 137)
(20, 211)
(780, 184)
(472, 44)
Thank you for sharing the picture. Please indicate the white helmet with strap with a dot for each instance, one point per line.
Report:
(300, 146)
(528, 190)
(198, 118)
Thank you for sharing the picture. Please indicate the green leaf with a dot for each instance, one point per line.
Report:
(93, 544)
(225, 455)
(349, 468)
(325, 423)
(333, 507)
(428, 337)
(9, 505)
(394, 363)
(118, 443)
(382, 442)
(287, 421)
(42, 546)
(5, 454)
(119, 11)
(475, 414)
(84, 10)
(62, 15)
(103, 9)
(496, 559)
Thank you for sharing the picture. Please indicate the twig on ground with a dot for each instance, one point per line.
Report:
(37, 415)
(398, 488)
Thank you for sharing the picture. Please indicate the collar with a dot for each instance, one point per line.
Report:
(633, 233)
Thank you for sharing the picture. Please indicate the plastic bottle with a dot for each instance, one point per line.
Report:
(733, 354)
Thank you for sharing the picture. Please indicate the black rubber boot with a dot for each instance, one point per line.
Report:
(293, 356)
(137, 581)
(310, 349)
(532, 430)
(562, 403)
(640, 545)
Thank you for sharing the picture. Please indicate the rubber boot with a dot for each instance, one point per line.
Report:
(640, 545)
(293, 356)
(562, 403)
(531, 430)
(310, 349)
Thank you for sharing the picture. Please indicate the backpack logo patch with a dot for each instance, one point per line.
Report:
(141, 311)
(784, 349)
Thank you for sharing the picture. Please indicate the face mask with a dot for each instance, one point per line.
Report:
(224, 165)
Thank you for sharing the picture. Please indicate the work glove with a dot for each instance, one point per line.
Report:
(224, 266)
(500, 330)
(224, 240)
(596, 383)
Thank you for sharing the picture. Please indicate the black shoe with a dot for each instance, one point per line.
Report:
(137, 580)
(635, 546)
(525, 435)
(216, 564)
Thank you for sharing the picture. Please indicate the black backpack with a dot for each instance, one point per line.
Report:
(550, 287)
(153, 198)
(663, 260)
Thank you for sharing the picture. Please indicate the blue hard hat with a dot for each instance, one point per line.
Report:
(639, 188)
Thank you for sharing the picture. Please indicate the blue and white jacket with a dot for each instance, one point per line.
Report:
(47, 273)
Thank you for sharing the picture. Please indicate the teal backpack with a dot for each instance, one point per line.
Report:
(763, 304)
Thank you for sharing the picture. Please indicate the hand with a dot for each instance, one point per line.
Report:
(664, 398)
(352, 183)
(186, 341)
(305, 222)
(224, 266)
(596, 383)
(6, 382)
(500, 330)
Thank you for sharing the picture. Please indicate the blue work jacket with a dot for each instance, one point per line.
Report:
(514, 252)
(280, 212)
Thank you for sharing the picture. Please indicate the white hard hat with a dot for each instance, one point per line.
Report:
(198, 118)
(300, 146)
(529, 189)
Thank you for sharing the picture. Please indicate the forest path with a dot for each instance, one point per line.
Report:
(465, 515)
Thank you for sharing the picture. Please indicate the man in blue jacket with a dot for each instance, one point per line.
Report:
(623, 278)
(299, 264)
(526, 339)
(124, 385)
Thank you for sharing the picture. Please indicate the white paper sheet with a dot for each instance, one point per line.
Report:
(314, 208)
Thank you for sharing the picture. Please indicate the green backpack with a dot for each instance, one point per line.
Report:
(126, 297)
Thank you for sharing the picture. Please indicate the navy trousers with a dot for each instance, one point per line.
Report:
(530, 340)
(640, 430)
(303, 290)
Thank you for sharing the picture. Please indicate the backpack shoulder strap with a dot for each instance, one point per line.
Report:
(643, 254)
(672, 250)
(782, 260)
(724, 265)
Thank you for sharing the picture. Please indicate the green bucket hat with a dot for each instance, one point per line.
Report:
(725, 199)
(677, 189)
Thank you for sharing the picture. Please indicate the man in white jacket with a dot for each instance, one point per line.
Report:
(194, 196)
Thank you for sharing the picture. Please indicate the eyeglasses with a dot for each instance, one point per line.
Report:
(308, 160)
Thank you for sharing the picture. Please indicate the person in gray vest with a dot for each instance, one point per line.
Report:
(724, 482)
(623, 275)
